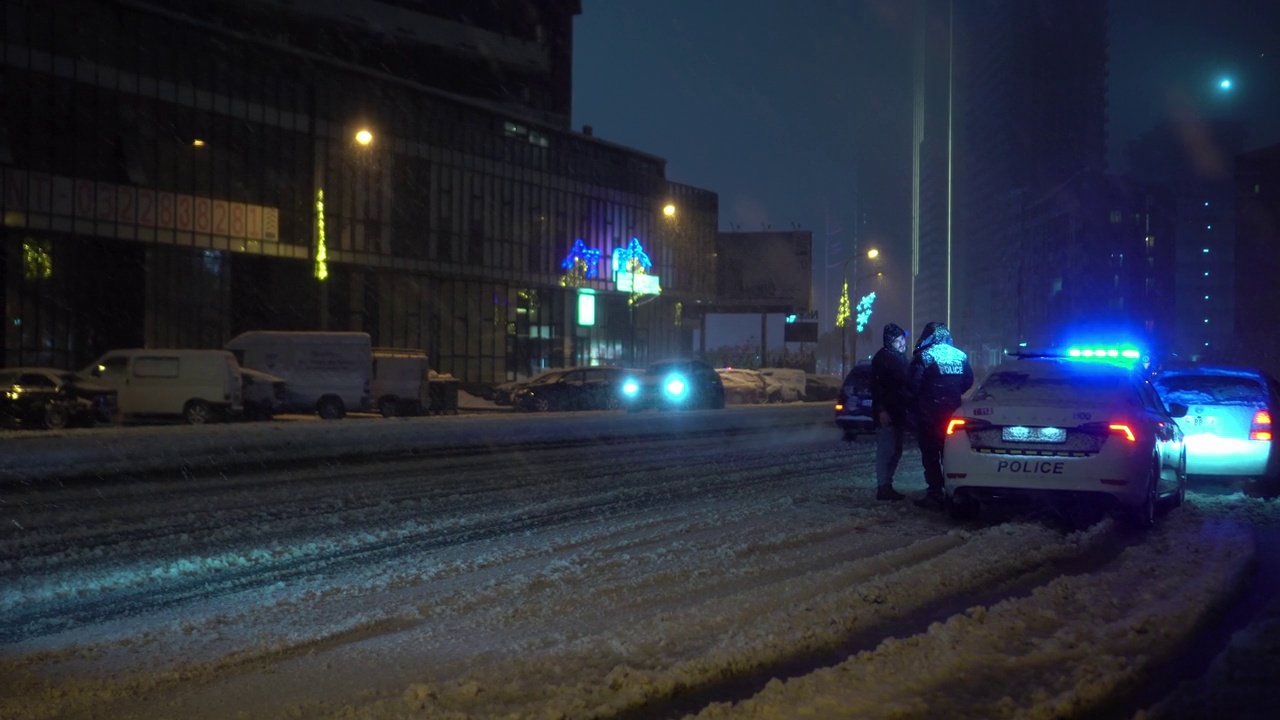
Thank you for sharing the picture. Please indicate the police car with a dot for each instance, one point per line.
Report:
(1066, 424)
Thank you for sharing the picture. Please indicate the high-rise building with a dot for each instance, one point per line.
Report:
(1257, 257)
(1024, 89)
(176, 173)
(1195, 159)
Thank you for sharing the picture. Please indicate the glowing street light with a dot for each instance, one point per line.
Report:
(364, 137)
(669, 210)
(1225, 83)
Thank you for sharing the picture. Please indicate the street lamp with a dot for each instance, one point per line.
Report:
(872, 254)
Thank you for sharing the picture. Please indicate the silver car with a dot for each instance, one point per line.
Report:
(1228, 422)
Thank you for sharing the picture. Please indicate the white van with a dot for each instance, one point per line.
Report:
(328, 373)
(198, 386)
(401, 381)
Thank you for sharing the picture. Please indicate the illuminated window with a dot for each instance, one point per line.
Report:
(1151, 241)
(1116, 216)
(1205, 250)
(1206, 273)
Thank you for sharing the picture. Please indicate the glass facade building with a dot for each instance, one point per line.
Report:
(170, 181)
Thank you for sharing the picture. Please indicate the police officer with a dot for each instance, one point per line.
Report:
(940, 375)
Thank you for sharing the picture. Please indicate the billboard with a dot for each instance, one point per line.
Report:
(770, 272)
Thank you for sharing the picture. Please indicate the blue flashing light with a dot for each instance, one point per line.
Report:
(1083, 352)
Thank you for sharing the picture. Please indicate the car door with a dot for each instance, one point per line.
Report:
(1168, 436)
(573, 391)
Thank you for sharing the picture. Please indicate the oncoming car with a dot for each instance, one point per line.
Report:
(1072, 426)
(1228, 425)
(674, 385)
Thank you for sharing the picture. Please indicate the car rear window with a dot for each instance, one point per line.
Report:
(1211, 390)
(1064, 389)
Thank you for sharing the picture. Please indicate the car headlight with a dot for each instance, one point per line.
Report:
(675, 387)
(630, 388)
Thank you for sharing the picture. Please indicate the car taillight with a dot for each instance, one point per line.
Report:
(1123, 429)
(960, 423)
(1261, 429)
(839, 407)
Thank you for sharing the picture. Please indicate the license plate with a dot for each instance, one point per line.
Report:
(1203, 421)
(1034, 434)
(866, 402)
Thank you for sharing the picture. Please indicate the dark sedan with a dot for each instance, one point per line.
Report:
(674, 385)
(576, 388)
(853, 406)
(52, 398)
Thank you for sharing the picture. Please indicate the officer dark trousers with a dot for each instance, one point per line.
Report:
(932, 437)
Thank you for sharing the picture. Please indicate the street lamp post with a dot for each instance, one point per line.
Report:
(872, 254)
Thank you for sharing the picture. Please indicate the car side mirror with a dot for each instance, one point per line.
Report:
(1177, 410)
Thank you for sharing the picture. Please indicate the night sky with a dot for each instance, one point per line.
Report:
(772, 104)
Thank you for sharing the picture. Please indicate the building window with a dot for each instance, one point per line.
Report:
(1117, 216)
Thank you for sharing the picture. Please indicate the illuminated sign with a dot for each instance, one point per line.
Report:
(639, 283)
(586, 307)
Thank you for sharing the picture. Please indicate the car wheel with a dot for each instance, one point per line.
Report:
(388, 407)
(56, 416)
(542, 405)
(962, 508)
(613, 403)
(1180, 495)
(1143, 517)
(197, 412)
(850, 436)
(331, 408)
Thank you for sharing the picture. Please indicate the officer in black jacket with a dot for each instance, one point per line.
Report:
(940, 375)
(890, 405)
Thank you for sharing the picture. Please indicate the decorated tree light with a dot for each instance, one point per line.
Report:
(842, 311)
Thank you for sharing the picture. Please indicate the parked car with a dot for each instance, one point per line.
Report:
(674, 385)
(853, 405)
(575, 388)
(503, 393)
(790, 381)
(195, 385)
(743, 386)
(821, 388)
(52, 398)
(1228, 425)
(1069, 429)
(401, 381)
(329, 373)
(262, 395)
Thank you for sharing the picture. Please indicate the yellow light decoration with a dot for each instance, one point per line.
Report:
(842, 312)
(36, 261)
(322, 256)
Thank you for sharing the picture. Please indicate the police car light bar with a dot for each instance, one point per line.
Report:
(1094, 352)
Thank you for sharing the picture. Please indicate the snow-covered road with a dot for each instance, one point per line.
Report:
(746, 573)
